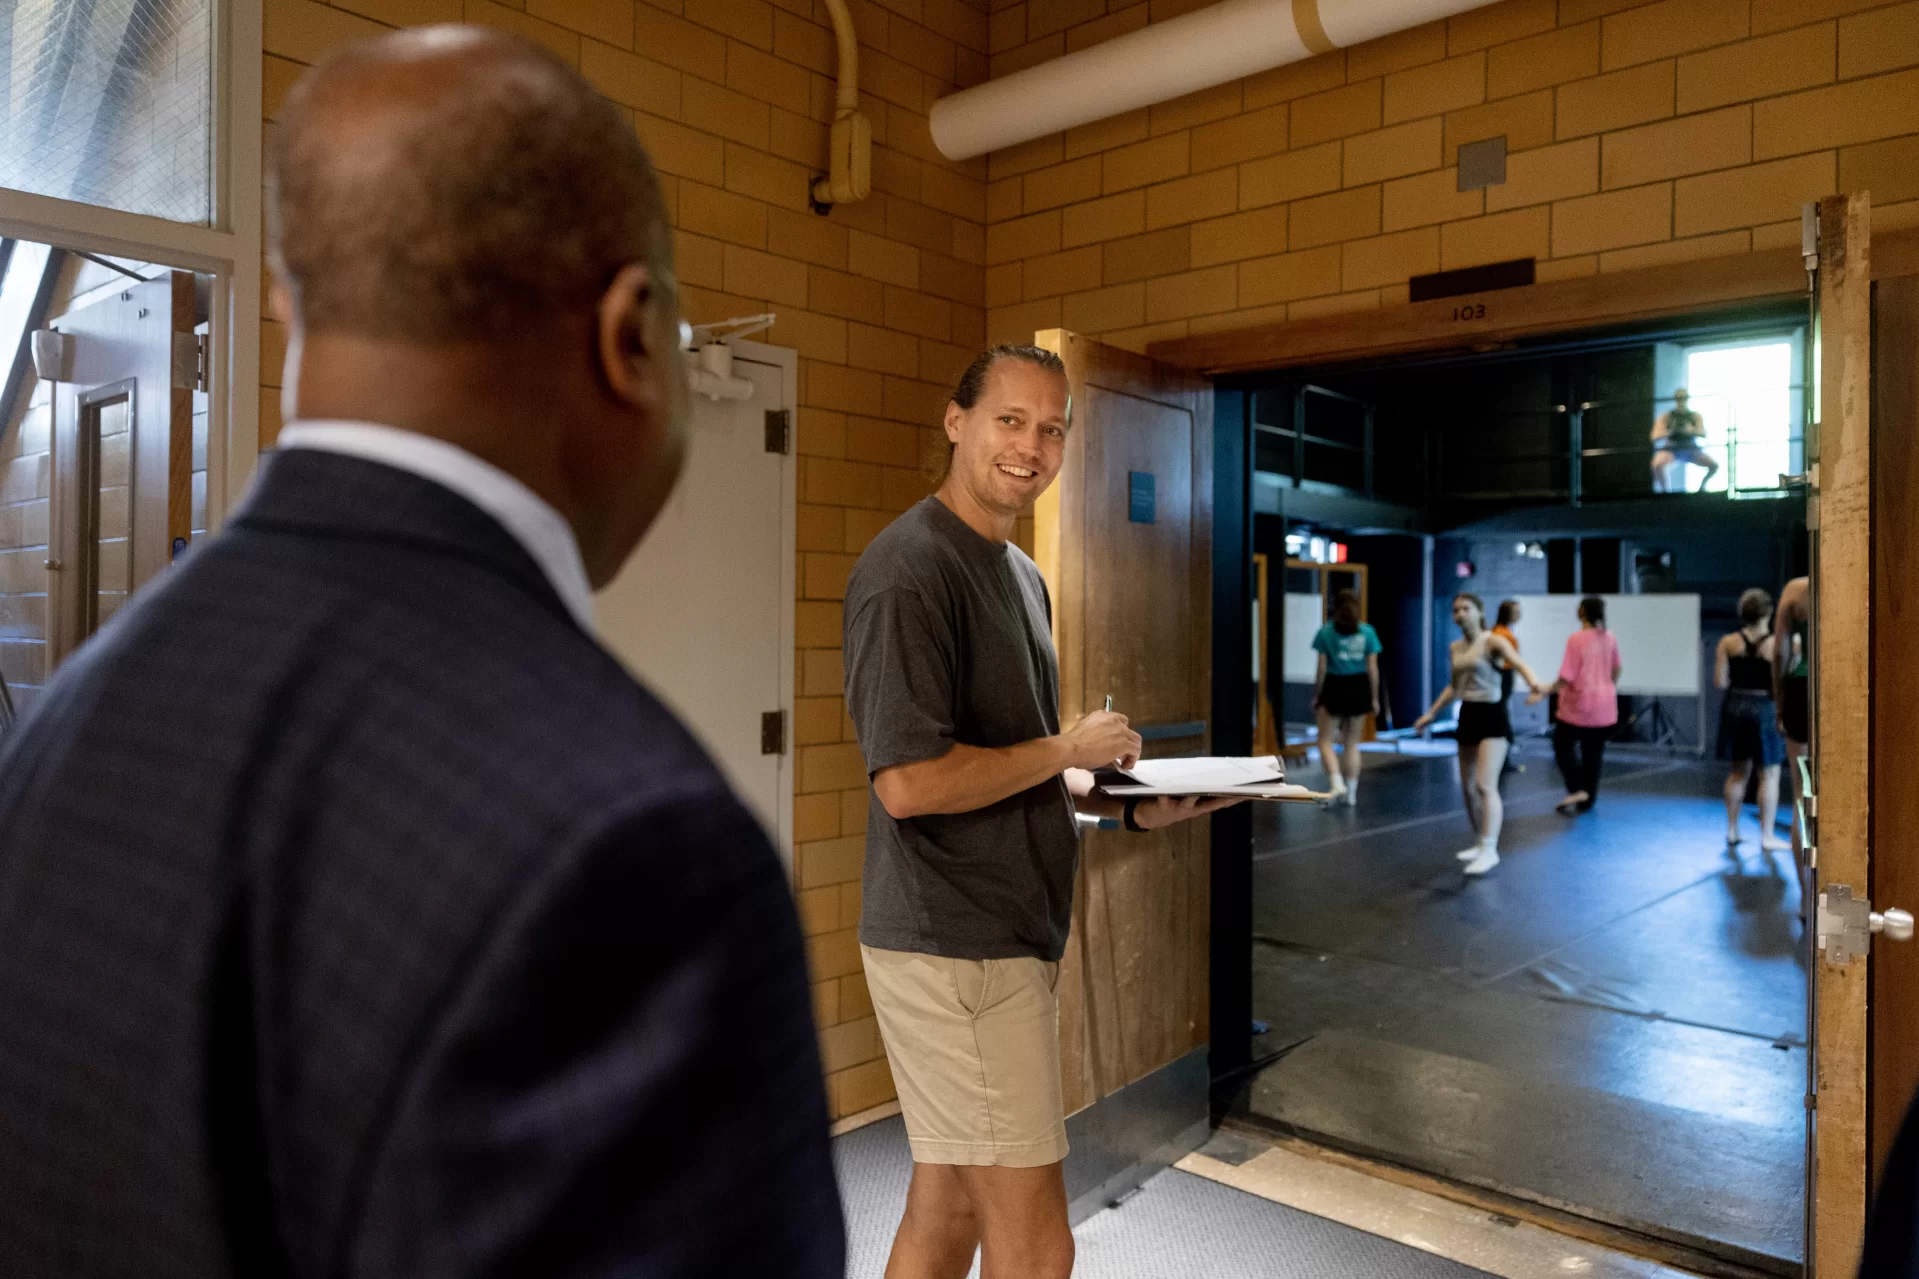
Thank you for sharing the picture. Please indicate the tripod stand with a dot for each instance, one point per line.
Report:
(1660, 723)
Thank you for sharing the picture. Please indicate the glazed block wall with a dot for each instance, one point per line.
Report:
(1638, 133)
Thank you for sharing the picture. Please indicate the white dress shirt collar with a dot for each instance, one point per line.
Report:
(534, 524)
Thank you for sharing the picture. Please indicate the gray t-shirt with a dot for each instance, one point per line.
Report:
(949, 639)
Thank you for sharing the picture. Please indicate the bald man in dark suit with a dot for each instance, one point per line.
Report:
(359, 915)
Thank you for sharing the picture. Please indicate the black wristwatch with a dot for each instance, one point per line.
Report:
(1128, 822)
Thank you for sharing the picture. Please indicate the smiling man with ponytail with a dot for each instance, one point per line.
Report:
(972, 840)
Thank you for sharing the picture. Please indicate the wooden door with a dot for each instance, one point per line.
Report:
(1124, 539)
(1840, 517)
(702, 613)
(1893, 975)
(122, 452)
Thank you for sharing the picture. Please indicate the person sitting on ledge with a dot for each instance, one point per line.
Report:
(1675, 442)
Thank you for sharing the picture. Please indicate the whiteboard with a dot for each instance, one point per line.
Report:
(1304, 616)
(1658, 638)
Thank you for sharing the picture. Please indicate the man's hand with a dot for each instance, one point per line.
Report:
(1164, 810)
(1100, 739)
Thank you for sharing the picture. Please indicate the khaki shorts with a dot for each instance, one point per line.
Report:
(974, 1046)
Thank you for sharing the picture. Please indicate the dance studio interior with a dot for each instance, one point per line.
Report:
(1536, 301)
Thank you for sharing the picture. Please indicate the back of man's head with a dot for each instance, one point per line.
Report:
(454, 184)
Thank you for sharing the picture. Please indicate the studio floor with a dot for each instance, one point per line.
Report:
(1612, 1023)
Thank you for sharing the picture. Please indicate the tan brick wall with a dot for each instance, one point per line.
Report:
(884, 300)
(1639, 133)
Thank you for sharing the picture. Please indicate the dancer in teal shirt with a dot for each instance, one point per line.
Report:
(1346, 692)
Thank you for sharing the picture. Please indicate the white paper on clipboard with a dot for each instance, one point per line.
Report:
(1250, 777)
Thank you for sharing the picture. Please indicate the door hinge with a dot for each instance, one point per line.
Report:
(773, 733)
(189, 362)
(1807, 479)
(52, 354)
(779, 430)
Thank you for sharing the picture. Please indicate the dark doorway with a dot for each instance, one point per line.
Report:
(1611, 1024)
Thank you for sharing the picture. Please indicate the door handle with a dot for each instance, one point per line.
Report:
(1894, 924)
(1846, 924)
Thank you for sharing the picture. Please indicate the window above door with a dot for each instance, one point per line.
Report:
(110, 103)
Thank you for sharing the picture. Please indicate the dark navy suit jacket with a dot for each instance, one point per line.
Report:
(360, 916)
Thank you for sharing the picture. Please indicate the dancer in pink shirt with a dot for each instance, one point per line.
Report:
(1588, 688)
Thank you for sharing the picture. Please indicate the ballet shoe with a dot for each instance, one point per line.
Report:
(1487, 859)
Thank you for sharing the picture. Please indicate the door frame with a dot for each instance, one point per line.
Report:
(74, 517)
(1724, 285)
(787, 361)
(228, 249)
(1474, 320)
(1894, 976)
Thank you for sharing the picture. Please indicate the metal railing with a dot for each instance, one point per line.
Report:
(1299, 438)
(1566, 468)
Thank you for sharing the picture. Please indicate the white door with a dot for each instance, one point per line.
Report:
(703, 612)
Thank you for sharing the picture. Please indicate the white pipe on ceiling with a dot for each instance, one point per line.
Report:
(1210, 46)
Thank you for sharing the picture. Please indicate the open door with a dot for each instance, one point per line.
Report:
(122, 451)
(1124, 540)
(1893, 975)
(702, 613)
(1863, 463)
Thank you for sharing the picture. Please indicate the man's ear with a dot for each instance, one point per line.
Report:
(629, 351)
(954, 414)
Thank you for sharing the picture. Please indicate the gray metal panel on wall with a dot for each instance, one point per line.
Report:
(1121, 1140)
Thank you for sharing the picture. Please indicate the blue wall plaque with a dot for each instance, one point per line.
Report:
(1139, 497)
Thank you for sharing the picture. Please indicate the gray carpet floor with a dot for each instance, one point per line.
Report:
(1178, 1225)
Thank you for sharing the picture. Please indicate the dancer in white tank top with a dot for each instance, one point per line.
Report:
(1485, 733)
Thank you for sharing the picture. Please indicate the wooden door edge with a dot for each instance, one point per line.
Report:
(1841, 731)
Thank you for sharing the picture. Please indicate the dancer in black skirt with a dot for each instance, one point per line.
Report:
(1346, 693)
(1485, 732)
(1748, 719)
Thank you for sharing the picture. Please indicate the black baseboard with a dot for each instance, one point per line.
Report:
(1121, 1140)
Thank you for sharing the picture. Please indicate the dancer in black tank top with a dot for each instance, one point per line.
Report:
(1748, 723)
